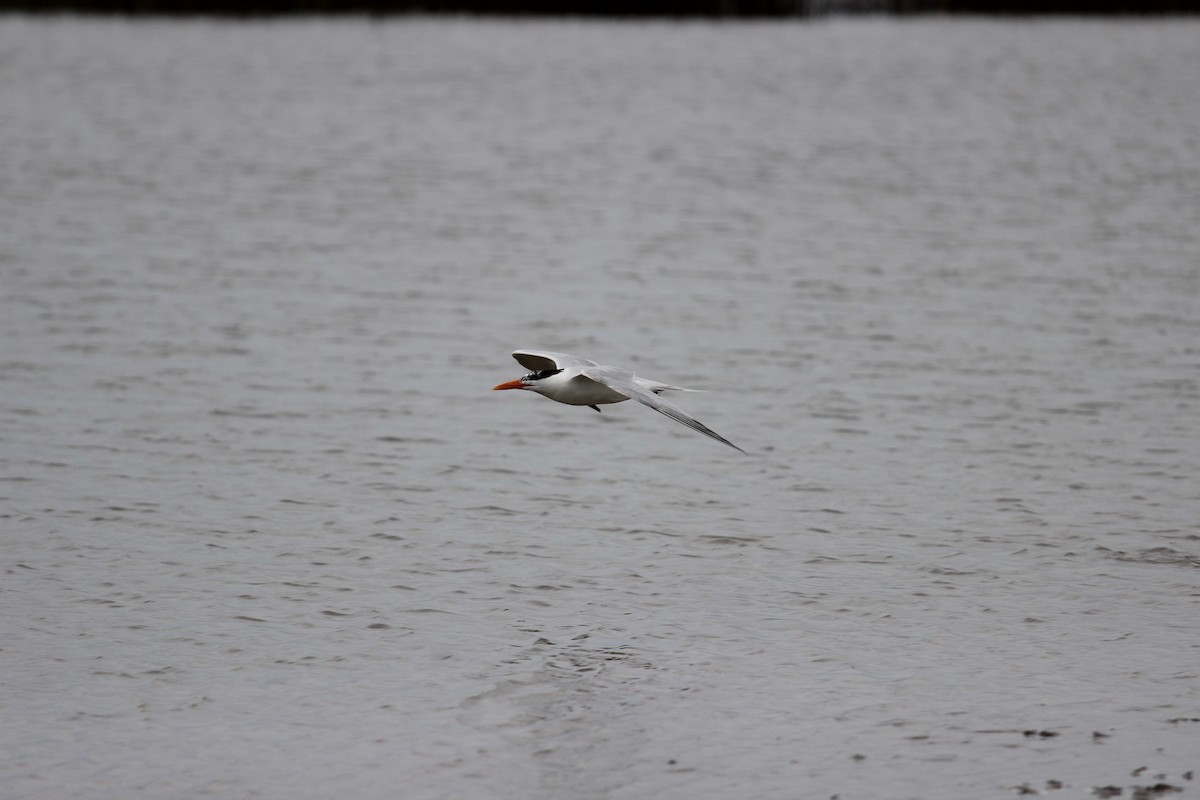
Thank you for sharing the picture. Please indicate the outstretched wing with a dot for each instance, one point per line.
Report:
(537, 360)
(621, 380)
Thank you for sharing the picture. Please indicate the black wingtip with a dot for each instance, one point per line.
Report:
(597, 408)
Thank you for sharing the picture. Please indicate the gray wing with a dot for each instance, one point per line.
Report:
(621, 380)
(537, 360)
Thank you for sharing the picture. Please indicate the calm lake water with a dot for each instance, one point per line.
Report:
(267, 533)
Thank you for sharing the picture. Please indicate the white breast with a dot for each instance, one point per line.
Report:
(576, 390)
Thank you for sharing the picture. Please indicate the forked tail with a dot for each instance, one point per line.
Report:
(658, 387)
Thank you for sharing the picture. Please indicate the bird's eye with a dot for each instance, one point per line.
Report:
(543, 373)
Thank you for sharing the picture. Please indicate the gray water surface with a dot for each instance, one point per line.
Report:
(266, 531)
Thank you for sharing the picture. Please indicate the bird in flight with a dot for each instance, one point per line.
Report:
(579, 382)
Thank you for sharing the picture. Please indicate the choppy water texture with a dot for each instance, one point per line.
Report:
(268, 533)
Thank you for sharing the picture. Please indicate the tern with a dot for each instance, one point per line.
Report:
(579, 382)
